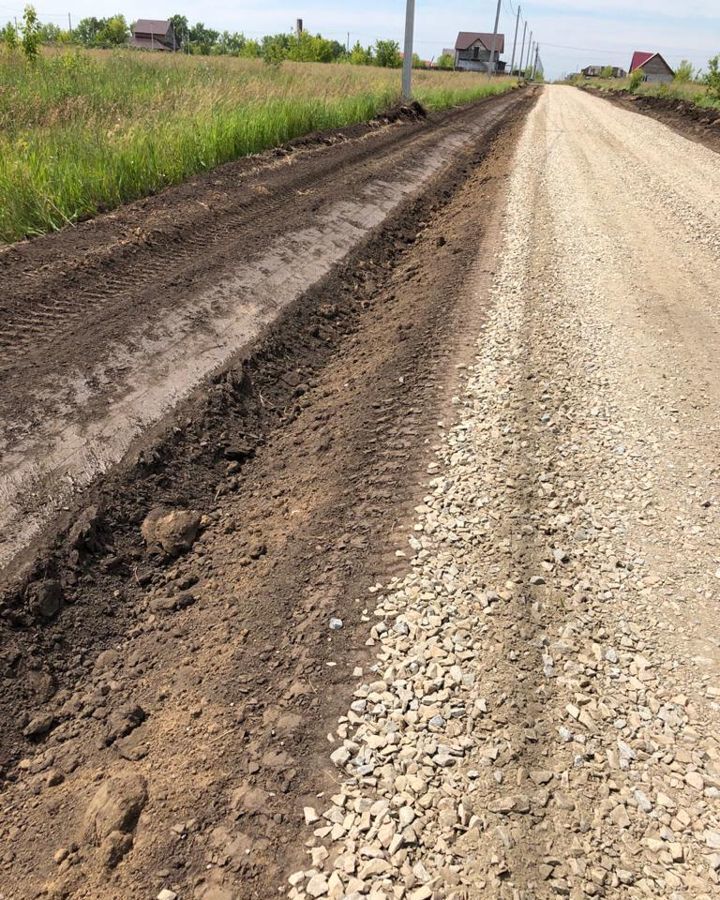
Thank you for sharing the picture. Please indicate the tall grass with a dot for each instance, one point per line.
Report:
(82, 132)
(691, 91)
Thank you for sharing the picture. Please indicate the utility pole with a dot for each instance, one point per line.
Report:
(348, 42)
(491, 64)
(522, 49)
(535, 61)
(529, 52)
(517, 23)
(408, 54)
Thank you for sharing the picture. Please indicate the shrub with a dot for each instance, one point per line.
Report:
(31, 33)
(684, 71)
(387, 54)
(9, 36)
(712, 78)
(636, 79)
(361, 56)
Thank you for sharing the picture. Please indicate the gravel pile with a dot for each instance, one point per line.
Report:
(542, 716)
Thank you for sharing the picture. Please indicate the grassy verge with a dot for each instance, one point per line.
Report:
(82, 132)
(690, 91)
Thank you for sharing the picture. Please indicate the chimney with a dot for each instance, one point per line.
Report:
(298, 28)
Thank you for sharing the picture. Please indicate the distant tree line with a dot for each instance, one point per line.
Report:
(275, 48)
(114, 31)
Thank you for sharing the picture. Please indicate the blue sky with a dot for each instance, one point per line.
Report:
(572, 33)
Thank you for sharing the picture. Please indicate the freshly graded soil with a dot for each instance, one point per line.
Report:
(108, 325)
(194, 692)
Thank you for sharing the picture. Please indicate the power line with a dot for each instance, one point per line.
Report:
(618, 49)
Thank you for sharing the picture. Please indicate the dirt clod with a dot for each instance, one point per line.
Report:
(45, 599)
(40, 725)
(115, 810)
(174, 531)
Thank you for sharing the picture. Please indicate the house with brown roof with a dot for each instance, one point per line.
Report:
(472, 51)
(154, 34)
(653, 67)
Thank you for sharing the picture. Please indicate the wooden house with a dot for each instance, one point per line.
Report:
(472, 51)
(653, 67)
(154, 34)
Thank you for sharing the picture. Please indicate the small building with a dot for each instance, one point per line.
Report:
(154, 34)
(597, 71)
(653, 67)
(472, 51)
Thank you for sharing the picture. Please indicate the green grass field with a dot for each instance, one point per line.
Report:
(691, 91)
(82, 131)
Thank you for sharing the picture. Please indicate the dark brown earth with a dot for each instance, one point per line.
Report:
(699, 123)
(107, 324)
(185, 701)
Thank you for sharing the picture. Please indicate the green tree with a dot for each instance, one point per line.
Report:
(50, 33)
(88, 29)
(712, 77)
(387, 54)
(361, 56)
(180, 27)
(202, 39)
(228, 44)
(111, 32)
(275, 48)
(31, 38)
(9, 36)
(311, 48)
(445, 61)
(114, 32)
(684, 71)
(606, 72)
(251, 49)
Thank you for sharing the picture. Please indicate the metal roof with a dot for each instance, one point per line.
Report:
(640, 57)
(466, 39)
(152, 26)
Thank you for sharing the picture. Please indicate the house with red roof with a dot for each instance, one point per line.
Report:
(472, 51)
(653, 67)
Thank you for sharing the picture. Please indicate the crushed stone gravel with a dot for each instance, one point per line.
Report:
(542, 717)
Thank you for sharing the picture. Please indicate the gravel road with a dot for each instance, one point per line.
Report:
(543, 714)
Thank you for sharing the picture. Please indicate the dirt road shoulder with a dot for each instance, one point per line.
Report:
(212, 679)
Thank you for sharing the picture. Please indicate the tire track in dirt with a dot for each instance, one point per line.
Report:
(73, 402)
(337, 404)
